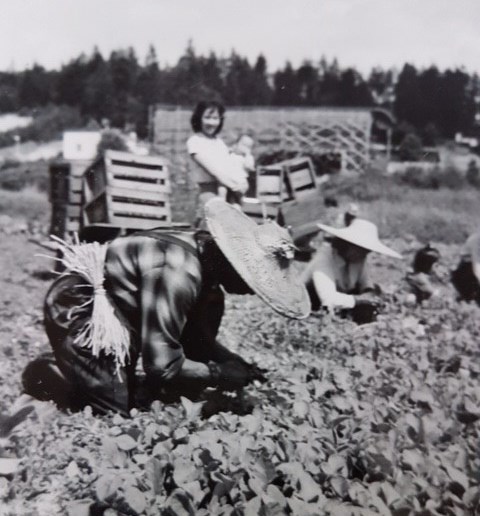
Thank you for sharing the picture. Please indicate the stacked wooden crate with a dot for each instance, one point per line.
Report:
(287, 192)
(66, 196)
(127, 191)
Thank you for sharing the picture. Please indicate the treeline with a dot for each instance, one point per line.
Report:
(121, 89)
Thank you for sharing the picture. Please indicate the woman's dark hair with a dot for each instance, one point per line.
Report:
(341, 245)
(200, 108)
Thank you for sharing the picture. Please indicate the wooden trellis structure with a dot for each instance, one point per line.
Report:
(311, 131)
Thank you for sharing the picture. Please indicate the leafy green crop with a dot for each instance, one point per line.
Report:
(354, 420)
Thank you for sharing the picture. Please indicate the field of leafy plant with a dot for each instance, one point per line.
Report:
(382, 418)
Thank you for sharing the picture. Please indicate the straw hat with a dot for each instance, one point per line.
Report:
(262, 256)
(363, 233)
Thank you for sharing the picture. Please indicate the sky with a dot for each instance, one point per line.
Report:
(360, 33)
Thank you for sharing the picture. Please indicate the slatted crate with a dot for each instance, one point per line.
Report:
(66, 196)
(271, 185)
(300, 176)
(258, 210)
(127, 191)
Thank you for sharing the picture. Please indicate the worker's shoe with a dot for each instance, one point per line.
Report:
(43, 380)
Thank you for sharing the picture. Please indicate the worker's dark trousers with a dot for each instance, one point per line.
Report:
(465, 281)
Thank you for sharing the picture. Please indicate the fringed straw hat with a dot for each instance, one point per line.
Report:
(362, 233)
(262, 255)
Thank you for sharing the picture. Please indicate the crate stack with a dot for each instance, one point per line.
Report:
(66, 196)
(126, 191)
(280, 185)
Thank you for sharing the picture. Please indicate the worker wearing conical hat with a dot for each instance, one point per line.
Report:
(167, 289)
(337, 276)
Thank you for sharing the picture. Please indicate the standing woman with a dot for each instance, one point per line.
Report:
(212, 163)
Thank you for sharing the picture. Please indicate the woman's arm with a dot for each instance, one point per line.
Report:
(328, 294)
(222, 170)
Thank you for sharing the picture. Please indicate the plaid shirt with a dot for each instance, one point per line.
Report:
(155, 283)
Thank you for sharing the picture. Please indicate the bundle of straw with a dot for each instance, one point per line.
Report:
(104, 332)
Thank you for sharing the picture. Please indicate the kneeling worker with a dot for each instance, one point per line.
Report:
(466, 277)
(337, 277)
(165, 291)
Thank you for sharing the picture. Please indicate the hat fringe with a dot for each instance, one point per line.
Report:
(105, 331)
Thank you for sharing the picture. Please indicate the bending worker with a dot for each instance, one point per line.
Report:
(337, 275)
(466, 277)
(167, 290)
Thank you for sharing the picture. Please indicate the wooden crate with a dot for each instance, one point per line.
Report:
(300, 176)
(259, 211)
(65, 195)
(301, 215)
(127, 191)
(289, 193)
(271, 185)
(59, 182)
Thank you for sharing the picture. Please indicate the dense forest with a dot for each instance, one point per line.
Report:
(433, 103)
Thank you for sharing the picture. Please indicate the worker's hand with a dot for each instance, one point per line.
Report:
(240, 186)
(255, 372)
(229, 376)
(368, 299)
(367, 307)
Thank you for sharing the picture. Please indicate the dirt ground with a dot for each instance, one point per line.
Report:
(24, 280)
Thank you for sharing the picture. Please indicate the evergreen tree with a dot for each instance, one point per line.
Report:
(286, 87)
(35, 87)
(123, 66)
(260, 91)
(8, 92)
(71, 81)
(457, 111)
(429, 82)
(408, 98)
(309, 85)
(352, 90)
(329, 82)
(238, 82)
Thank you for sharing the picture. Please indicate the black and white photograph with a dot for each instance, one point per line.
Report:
(240, 255)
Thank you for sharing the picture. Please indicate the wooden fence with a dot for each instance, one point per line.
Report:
(312, 131)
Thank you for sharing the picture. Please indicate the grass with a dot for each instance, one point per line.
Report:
(446, 216)
(28, 204)
(442, 215)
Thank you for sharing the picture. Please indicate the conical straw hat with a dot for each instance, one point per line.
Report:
(262, 255)
(362, 233)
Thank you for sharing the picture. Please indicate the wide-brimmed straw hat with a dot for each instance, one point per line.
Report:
(262, 255)
(362, 233)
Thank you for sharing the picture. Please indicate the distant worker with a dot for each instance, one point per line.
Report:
(466, 277)
(213, 166)
(419, 278)
(337, 277)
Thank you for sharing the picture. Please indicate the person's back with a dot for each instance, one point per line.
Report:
(466, 277)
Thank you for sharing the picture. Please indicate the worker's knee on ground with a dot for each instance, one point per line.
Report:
(43, 380)
(465, 281)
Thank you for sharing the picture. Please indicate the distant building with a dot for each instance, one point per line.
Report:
(80, 145)
(466, 141)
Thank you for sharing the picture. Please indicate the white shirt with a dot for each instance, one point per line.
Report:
(225, 171)
(471, 251)
(333, 278)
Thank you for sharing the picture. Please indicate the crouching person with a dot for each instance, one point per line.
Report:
(337, 277)
(419, 279)
(159, 296)
(466, 277)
